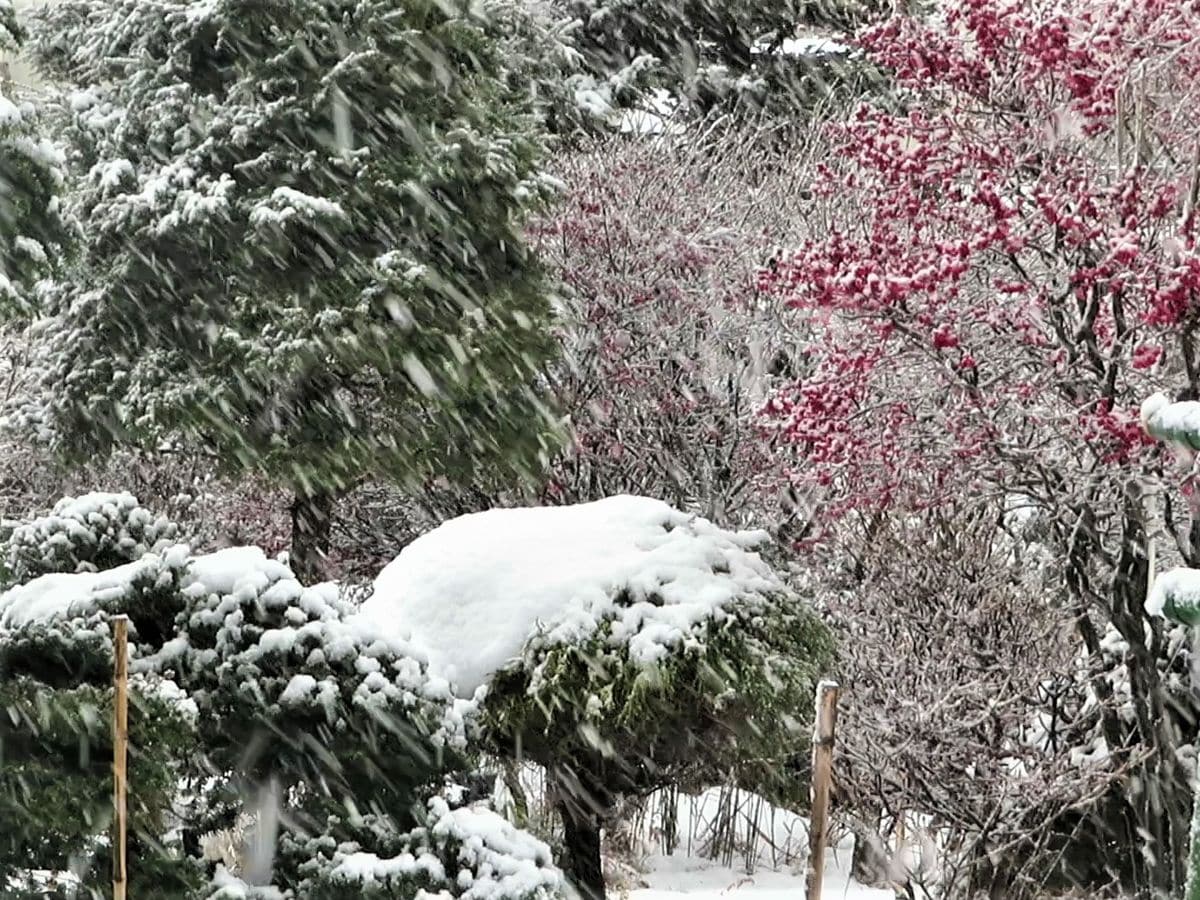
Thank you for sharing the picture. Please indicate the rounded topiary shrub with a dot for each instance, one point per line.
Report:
(622, 644)
(90, 533)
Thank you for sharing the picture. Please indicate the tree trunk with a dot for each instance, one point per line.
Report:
(581, 845)
(512, 781)
(312, 518)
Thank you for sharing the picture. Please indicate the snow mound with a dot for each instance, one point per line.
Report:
(64, 596)
(1176, 423)
(223, 571)
(473, 591)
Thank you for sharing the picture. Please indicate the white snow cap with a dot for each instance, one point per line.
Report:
(1153, 405)
(223, 571)
(1180, 586)
(65, 595)
(473, 591)
(62, 595)
(1159, 414)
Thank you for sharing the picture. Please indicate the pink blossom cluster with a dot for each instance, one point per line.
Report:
(1015, 261)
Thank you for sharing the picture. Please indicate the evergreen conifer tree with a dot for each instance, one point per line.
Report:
(304, 242)
(33, 231)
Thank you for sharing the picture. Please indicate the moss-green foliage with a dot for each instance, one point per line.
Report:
(56, 787)
(309, 253)
(734, 702)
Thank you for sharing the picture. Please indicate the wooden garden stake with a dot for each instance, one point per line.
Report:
(822, 771)
(120, 738)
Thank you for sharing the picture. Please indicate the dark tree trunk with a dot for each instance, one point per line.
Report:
(312, 518)
(581, 846)
(868, 860)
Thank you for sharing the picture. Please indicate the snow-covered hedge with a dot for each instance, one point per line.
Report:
(295, 689)
(253, 637)
(267, 678)
(483, 591)
(90, 533)
(57, 628)
(619, 626)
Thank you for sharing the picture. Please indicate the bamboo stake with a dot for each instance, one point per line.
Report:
(120, 738)
(822, 771)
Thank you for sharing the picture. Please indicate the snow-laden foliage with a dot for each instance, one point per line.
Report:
(728, 693)
(251, 679)
(294, 693)
(460, 852)
(88, 533)
(94, 557)
(258, 651)
(59, 624)
(480, 590)
(56, 663)
(705, 52)
(33, 231)
(305, 246)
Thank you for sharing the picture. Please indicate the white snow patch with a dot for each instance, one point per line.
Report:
(1179, 586)
(806, 45)
(10, 113)
(225, 570)
(63, 595)
(473, 591)
(31, 248)
(167, 690)
(1177, 424)
(287, 203)
(226, 886)
(682, 877)
(654, 116)
(811, 46)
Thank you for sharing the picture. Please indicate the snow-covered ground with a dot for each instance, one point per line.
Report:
(772, 840)
(681, 877)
